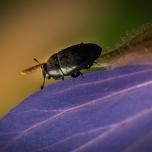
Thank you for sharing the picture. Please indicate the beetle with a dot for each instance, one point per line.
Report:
(68, 62)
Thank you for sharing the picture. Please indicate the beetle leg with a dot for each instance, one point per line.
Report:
(60, 67)
(62, 77)
(81, 74)
(95, 62)
(76, 74)
(42, 86)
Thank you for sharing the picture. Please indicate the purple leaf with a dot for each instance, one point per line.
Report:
(109, 111)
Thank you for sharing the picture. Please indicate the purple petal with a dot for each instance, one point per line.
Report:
(108, 111)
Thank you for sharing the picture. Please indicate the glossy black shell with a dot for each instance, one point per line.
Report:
(71, 60)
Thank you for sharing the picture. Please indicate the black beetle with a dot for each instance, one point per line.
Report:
(68, 62)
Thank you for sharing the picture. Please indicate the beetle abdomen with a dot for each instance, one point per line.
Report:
(78, 57)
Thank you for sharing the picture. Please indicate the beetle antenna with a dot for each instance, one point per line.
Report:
(37, 62)
(42, 86)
